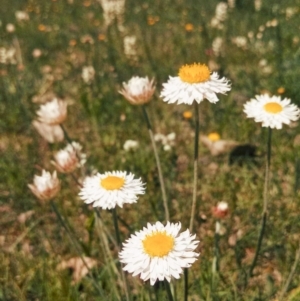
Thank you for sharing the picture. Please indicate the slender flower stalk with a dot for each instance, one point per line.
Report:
(291, 275)
(196, 155)
(107, 256)
(160, 175)
(139, 91)
(118, 237)
(76, 246)
(265, 205)
(168, 289)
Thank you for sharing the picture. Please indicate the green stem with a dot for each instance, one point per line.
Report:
(118, 237)
(215, 265)
(69, 140)
(196, 155)
(168, 289)
(265, 205)
(160, 175)
(116, 226)
(291, 275)
(73, 241)
(109, 260)
(186, 282)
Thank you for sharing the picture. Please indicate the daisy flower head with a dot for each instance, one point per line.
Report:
(194, 82)
(53, 112)
(159, 252)
(46, 186)
(271, 111)
(110, 189)
(138, 90)
(69, 158)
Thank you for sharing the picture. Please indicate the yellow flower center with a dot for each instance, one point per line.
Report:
(194, 73)
(273, 107)
(214, 137)
(112, 182)
(158, 244)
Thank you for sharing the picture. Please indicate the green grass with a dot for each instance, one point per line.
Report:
(31, 251)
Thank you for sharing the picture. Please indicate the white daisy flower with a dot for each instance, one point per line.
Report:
(46, 186)
(53, 112)
(69, 158)
(271, 111)
(138, 90)
(51, 133)
(158, 252)
(110, 189)
(194, 82)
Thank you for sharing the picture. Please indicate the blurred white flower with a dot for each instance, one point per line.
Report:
(51, 133)
(239, 41)
(217, 45)
(21, 16)
(231, 3)
(69, 158)
(167, 147)
(257, 4)
(10, 27)
(138, 90)
(130, 48)
(46, 186)
(8, 56)
(130, 144)
(216, 23)
(259, 35)
(291, 11)
(36, 53)
(112, 9)
(88, 74)
(167, 141)
(53, 112)
(221, 11)
(272, 23)
(171, 137)
(216, 145)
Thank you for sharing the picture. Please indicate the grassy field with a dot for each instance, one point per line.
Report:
(255, 44)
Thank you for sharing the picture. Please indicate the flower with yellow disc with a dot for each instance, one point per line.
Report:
(159, 252)
(110, 189)
(194, 82)
(271, 111)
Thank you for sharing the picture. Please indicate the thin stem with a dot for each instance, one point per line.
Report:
(265, 205)
(196, 152)
(168, 289)
(110, 262)
(160, 175)
(291, 275)
(69, 140)
(115, 220)
(186, 282)
(118, 237)
(79, 251)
